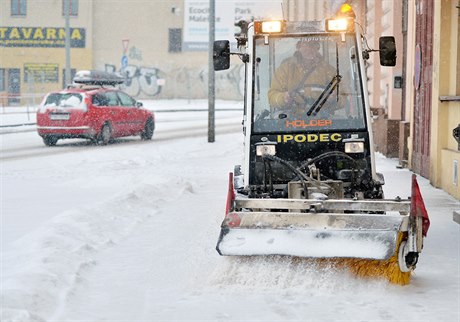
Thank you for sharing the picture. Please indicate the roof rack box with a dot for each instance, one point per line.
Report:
(94, 77)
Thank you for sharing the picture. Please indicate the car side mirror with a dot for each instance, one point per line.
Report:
(387, 50)
(221, 54)
(139, 104)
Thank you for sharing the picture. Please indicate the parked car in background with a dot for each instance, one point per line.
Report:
(93, 108)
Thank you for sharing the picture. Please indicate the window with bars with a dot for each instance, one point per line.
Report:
(73, 7)
(18, 7)
(175, 40)
(2, 80)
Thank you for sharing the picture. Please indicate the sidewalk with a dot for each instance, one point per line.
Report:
(440, 205)
(457, 216)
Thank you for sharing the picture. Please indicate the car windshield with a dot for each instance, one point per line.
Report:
(305, 83)
(64, 100)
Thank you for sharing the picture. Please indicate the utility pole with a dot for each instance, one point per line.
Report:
(211, 73)
(67, 44)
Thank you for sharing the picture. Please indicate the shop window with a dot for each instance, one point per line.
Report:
(18, 7)
(73, 7)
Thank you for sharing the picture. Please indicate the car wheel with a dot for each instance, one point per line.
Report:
(149, 127)
(106, 134)
(50, 140)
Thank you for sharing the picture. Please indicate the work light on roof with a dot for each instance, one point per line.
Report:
(343, 20)
(268, 27)
(271, 26)
(341, 24)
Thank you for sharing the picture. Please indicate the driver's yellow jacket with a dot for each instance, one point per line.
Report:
(304, 83)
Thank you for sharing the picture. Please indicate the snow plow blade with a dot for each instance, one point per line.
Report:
(319, 234)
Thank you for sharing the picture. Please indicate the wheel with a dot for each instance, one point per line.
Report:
(106, 134)
(147, 133)
(50, 140)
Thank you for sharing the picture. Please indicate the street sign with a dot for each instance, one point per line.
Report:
(124, 61)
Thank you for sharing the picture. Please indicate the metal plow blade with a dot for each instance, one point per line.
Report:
(310, 235)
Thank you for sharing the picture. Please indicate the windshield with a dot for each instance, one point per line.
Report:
(306, 83)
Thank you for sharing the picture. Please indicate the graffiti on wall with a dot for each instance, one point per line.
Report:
(192, 83)
(139, 80)
(234, 77)
(183, 82)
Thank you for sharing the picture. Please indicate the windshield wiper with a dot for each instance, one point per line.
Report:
(316, 107)
(334, 83)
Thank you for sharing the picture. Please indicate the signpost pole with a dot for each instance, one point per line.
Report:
(211, 74)
(67, 43)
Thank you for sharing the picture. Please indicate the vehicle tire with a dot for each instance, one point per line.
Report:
(105, 137)
(50, 140)
(149, 127)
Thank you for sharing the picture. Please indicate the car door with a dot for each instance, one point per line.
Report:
(118, 116)
(134, 115)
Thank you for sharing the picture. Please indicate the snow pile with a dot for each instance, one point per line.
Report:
(45, 265)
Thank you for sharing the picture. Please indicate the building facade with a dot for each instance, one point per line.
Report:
(32, 47)
(443, 75)
(417, 103)
(161, 47)
(141, 39)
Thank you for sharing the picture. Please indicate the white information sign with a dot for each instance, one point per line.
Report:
(228, 12)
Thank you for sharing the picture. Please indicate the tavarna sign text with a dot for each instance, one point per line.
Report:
(40, 37)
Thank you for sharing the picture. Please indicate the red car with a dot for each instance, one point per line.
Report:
(93, 108)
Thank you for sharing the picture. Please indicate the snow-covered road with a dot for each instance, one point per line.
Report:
(126, 232)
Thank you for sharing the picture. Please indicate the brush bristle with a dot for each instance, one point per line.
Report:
(368, 268)
(388, 269)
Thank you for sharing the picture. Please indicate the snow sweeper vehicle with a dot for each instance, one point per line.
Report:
(308, 186)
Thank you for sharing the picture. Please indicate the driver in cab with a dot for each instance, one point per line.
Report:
(299, 80)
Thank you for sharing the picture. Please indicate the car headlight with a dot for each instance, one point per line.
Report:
(265, 149)
(354, 147)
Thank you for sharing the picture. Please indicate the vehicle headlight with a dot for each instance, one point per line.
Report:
(354, 147)
(265, 149)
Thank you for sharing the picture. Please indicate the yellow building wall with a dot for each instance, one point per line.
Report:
(32, 33)
(445, 156)
(80, 58)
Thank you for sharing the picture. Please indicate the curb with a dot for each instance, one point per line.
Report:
(456, 216)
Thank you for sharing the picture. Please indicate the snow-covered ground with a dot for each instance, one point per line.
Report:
(127, 232)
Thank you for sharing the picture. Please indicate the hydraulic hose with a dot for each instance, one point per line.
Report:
(292, 168)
